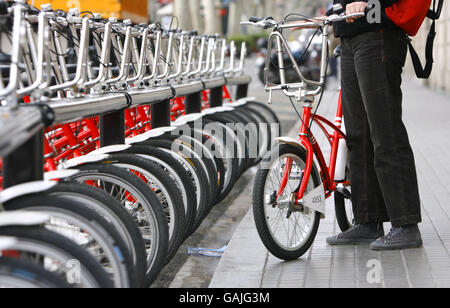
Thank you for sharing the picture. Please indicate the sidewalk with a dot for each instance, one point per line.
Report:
(247, 264)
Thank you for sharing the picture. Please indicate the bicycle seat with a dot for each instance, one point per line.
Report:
(337, 52)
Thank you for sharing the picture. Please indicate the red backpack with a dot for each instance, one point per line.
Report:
(409, 16)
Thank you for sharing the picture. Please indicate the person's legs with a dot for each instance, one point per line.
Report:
(367, 199)
(368, 203)
(379, 60)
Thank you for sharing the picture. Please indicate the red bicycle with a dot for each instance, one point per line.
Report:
(294, 180)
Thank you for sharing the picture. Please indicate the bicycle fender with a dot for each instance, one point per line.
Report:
(23, 218)
(111, 149)
(60, 174)
(154, 133)
(241, 102)
(82, 160)
(217, 110)
(193, 117)
(7, 242)
(25, 189)
(297, 144)
(315, 199)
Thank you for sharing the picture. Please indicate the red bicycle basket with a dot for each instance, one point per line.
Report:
(409, 15)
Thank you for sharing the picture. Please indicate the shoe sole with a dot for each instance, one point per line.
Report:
(398, 247)
(351, 242)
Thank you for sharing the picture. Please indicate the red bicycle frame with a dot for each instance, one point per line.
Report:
(313, 149)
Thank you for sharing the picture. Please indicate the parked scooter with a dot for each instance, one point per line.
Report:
(308, 59)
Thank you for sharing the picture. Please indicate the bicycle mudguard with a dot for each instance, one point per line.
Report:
(25, 189)
(23, 218)
(144, 137)
(60, 174)
(111, 149)
(315, 199)
(7, 242)
(82, 160)
(193, 117)
(241, 102)
(217, 110)
(297, 144)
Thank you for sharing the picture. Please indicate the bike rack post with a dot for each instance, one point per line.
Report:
(112, 128)
(216, 97)
(25, 163)
(160, 114)
(193, 103)
(242, 91)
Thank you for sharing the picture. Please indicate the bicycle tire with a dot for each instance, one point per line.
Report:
(259, 208)
(111, 244)
(199, 172)
(169, 164)
(16, 273)
(114, 213)
(225, 118)
(157, 252)
(166, 190)
(341, 212)
(232, 166)
(37, 240)
(208, 164)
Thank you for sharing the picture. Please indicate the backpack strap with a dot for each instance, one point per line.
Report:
(421, 72)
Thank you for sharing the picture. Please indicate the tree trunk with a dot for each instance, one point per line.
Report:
(235, 14)
(212, 25)
(181, 7)
(196, 17)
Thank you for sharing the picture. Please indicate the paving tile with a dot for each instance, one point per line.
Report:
(353, 267)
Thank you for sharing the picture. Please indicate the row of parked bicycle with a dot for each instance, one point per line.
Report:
(137, 134)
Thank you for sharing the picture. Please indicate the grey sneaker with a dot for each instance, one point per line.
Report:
(358, 235)
(399, 238)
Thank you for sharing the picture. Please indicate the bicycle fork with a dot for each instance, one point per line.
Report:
(305, 141)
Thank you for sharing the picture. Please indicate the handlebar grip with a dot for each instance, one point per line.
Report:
(255, 19)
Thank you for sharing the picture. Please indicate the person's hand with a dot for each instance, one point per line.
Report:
(353, 8)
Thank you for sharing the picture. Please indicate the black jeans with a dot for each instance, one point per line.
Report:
(383, 172)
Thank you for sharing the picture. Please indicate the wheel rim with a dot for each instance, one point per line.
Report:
(159, 189)
(136, 205)
(74, 227)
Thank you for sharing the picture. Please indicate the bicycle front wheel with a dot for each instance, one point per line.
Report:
(286, 230)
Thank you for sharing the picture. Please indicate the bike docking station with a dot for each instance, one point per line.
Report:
(87, 107)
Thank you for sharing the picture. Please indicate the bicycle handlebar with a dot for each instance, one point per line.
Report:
(303, 88)
(269, 22)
